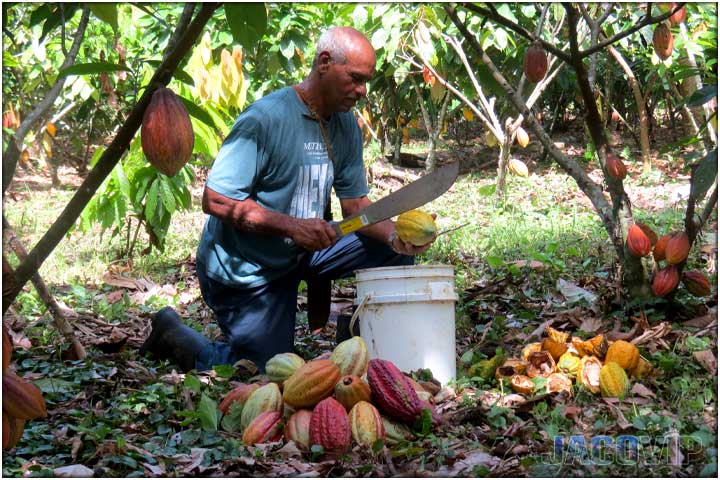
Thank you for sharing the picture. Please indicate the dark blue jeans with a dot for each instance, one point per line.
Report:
(259, 322)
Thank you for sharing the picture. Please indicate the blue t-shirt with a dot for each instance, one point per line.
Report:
(275, 155)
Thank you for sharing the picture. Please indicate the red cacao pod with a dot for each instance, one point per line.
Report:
(330, 426)
(535, 63)
(266, 427)
(6, 350)
(12, 430)
(366, 424)
(297, 428)
(665, 281)
(350, 390)
(615, 167)
(663, 41)
(696, 283)
(637, 242)
(167, 134)
(391, 391)
(311, 383)
(649, 233)
(22, 399)
(679, 16)
(239, 394)
(659, 251)
(677, 248)
(265, 399)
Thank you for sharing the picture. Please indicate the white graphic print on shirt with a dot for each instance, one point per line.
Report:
(313, 187)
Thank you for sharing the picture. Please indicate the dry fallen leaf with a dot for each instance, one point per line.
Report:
(642, 390)
(707, 359)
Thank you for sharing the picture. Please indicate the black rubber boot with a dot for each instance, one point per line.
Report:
(171, 339)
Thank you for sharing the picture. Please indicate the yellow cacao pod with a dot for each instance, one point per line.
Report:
(366, 424)
(416, 227)
(518, 167)
(281, 366)
(569, 364)
(613, 381)
(522, 137)
(351, 356)
(624, 354)
(265, 399)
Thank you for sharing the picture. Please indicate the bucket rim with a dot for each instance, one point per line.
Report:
(405, 267)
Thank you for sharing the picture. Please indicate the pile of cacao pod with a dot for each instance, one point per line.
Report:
(329, 401)
(563, 361)
(670, 250)
(21, 399)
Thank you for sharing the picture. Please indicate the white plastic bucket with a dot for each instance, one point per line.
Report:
(407, 316)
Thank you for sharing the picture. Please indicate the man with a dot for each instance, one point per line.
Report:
(265, 196)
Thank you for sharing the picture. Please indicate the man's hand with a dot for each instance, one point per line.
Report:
(312, 233)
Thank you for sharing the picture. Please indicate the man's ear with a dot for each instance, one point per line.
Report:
(324, 61)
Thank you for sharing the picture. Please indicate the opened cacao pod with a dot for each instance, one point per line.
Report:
(696, 283)
(677, 248)
(663, 41)
(637, 242)
(535, 63)
(167, 134)
(665, 281)
(589, 374)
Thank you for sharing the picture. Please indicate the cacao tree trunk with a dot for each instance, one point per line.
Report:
(112, 154)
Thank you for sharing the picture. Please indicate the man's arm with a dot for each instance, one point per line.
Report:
(247, 215)
(383, 231)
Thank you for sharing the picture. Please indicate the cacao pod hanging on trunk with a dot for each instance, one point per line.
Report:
(637, 242)
(677, 248)
(649, 232)
(665, 281)
(663, 41)
(696, 283)
(615, 167)
(167, 133)
(659, 252)
(535, 64)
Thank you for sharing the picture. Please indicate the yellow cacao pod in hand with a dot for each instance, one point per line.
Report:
(416, 227)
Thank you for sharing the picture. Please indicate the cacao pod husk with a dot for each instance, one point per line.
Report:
(659, 250)
(615, 167)
(665, 281)
(366, 424)
(350, 390)
(637, 242)
(297, 428)
(330, 426)
(311, 383)
(239, 395)
(535, 63)
(642, 369)
(613, 381)
(518, 167)
(12, 430)
(266, 427)
(279, 367)
(589, 374)
(663, 41)
(265, 399)
(558, 382)
(522, 137)
(522, 384)
(557, 335)
(540, 364)
(696, 283)
(351, 356)
(7, 349)
(556, 349)
(677, 248)
(416, 227)
(391, 391)
(167, 134)
(530, 348)
(624, 354)
(22, 399)
(649, 233)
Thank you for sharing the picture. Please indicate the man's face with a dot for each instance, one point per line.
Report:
(346, 83)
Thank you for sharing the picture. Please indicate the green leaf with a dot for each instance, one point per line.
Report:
(151, 200)
(166, 196)
(247, 21)
(702, 96)
(224, 371)
(107, 12)
(704, 176)
(92, 68)
(198, 112)
(494, 261)
(231, 421)
(208, 412)
(193, 383)
(487, 190)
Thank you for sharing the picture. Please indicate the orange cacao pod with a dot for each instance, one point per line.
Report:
(535, 63)
(22, 399)
(637, 242)
(392, 392)
(350, 390)
(624, 354)
(297, 428)
(696, 283)
(677, 248)
(12, 430)
(665, 281)
(556, 349)
(663, 41)
(615, 167)
(266, 427)
(677, 17)
(265, 399)
(659, 251)
(6, 350)
(167, 134)
(351, 356)
(649, 233)
(330, 426)
(311, 383)
(239, 395)
(366, 424)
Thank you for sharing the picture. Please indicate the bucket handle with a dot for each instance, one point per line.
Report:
(354, 317)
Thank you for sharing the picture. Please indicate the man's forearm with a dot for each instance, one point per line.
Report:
(246, 215)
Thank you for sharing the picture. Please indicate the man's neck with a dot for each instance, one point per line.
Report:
(312, 96)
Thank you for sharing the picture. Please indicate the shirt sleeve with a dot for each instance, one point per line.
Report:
(239, 162)
(350, 181)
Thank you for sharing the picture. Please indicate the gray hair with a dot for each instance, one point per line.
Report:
(335, 41)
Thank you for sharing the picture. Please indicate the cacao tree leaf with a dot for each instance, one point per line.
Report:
(247, 21)
(92, 68)
(702, 96)
(231, 422)
(55, 17)
(198, 112)
(107, 12)
(166, 196)
(151, 200)
(208, 413)
(704, 176)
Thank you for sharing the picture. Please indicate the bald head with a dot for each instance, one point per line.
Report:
(340, 42)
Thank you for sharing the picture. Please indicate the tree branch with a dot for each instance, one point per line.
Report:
(111, 156)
